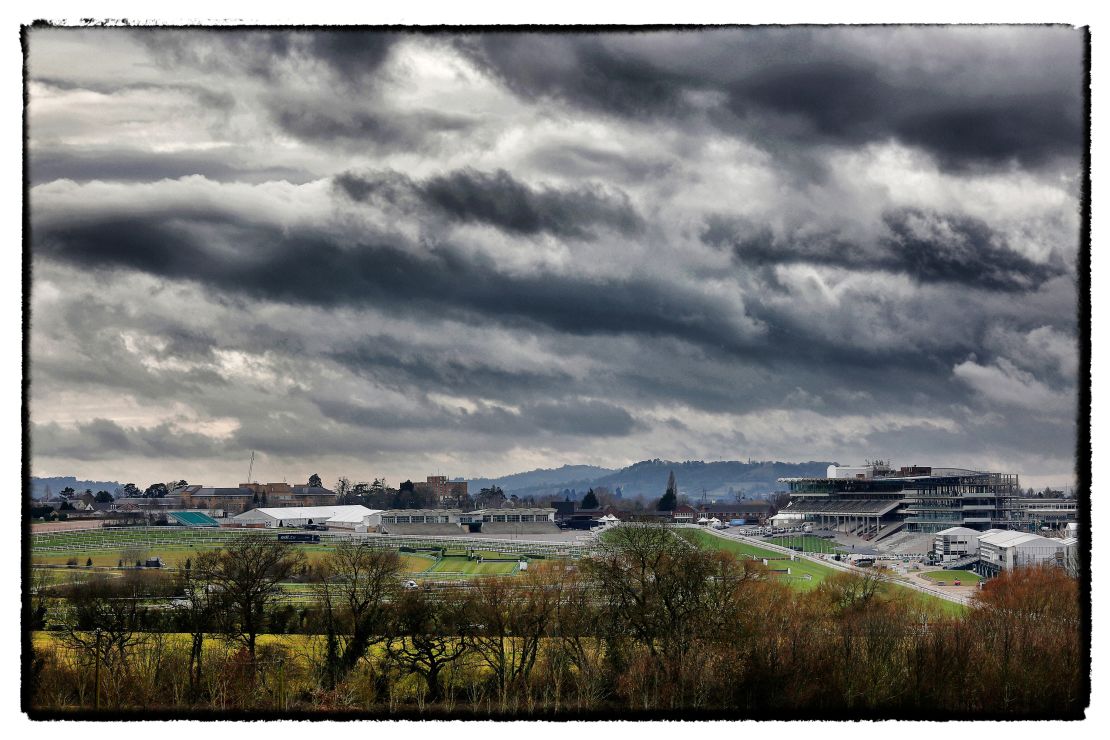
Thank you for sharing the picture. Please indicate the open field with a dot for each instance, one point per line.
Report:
(473, 567)
(807, 542)
(799, 569)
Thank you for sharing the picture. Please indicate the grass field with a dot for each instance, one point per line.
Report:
(776, 560)
(966, 577)
(473, 567)
(807, 542)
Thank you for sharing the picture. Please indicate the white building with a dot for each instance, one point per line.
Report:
(354, 517)
(850, 471)
(955, 543)
(1001, 549)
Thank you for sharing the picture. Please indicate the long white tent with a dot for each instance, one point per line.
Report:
(349, 517)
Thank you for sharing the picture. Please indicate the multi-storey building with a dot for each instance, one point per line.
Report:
(875, 500)
(442, 490)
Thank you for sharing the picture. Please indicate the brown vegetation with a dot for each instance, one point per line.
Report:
(653, 624)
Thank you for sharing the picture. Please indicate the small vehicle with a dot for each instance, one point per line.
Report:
(942, 583)
(410, 585)
(956, 583)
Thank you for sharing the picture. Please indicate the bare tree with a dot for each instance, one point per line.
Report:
(430, 632)
(513, 618)
(248, 573)
(355, 584)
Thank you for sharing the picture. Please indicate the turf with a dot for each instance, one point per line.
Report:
(807, 542)
(776, 560)
(472, 567)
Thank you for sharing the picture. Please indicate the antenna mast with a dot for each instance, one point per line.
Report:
(250, 470)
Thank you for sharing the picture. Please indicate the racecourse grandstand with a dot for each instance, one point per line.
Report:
(191, 519)
(510, 521)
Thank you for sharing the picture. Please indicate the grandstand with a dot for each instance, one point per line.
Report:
(192, 519)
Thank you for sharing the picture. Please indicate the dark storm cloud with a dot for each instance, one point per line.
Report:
(397, 365)
(854, 104)
(309, 267)
(351, 56)
(602, 245)
(582, 70)
(945, 248)
(589, 418)
(359, 127)
(103, 438)
(928, 247)
(498, 199)
(965, 107)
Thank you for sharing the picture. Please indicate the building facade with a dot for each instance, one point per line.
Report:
(874, 501)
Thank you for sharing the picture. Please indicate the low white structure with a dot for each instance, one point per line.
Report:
(1001, 549)
(955, 543)
(354, 517)
(787, 519)
(850, 471)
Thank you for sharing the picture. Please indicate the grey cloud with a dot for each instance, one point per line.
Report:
(928, 247)
(823, 85)
(105, 439)
(358, 127)
(128, 165)
(632, 262)
(498, 199)
(310, 267)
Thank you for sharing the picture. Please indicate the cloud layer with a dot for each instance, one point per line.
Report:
(361, 253)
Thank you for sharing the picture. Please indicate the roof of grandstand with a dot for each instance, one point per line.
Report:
(310, 512)
(193, 518)
(843, 507)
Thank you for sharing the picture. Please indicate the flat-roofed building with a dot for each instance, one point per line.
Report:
(509, 521)
(421, 521)
(956, 543)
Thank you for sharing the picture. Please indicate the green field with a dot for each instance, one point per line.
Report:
(473, 567)
(966, 577)
(807, 542)
(799, 568)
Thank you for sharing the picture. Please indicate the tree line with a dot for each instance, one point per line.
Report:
(652, 624)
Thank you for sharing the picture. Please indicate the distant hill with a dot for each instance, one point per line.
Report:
(542, 479)
(648, 479)
(39, 486)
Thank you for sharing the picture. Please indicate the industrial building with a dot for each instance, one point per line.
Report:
(874, 501)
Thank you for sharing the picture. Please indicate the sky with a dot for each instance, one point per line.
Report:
(404, 254)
